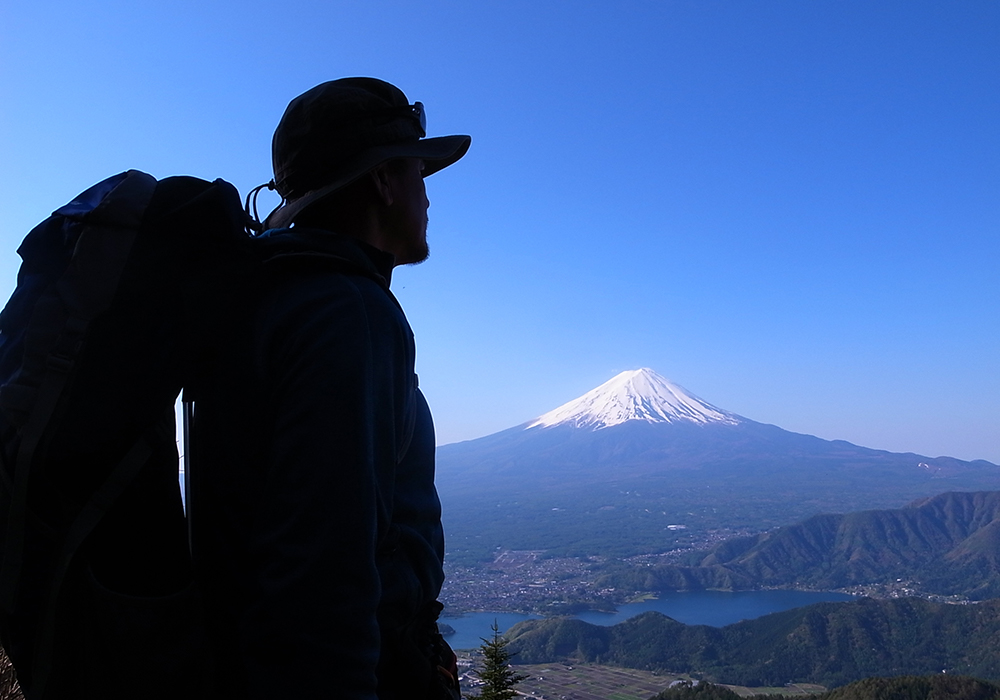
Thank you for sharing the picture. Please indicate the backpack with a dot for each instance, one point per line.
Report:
(117, 299)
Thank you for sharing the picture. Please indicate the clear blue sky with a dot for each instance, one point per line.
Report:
(791, 208)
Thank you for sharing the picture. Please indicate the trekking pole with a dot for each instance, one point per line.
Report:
(187, 414)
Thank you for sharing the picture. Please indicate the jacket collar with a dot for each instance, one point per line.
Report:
(311, 241)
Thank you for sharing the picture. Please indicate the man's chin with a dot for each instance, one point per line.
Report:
(417, 256)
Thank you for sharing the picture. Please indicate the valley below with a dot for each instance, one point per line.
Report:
(926, 577)
(943, 549)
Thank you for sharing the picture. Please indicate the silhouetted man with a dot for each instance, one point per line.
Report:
(316, 529)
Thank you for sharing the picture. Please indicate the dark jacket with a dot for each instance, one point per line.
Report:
(316, 526)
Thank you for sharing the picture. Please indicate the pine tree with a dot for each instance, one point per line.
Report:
(497, 675)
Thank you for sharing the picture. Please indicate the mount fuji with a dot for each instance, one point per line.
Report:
(641, 395)
(640, 445)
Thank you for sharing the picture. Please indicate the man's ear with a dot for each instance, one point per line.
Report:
(382, 182)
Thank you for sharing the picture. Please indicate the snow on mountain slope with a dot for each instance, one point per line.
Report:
(635, 395)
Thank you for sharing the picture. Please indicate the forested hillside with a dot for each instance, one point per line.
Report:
(937, 687)
(948, 545)
(829, 643)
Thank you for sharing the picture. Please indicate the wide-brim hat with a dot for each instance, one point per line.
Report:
(334, 133)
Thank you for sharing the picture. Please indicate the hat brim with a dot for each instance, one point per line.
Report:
(437, 153)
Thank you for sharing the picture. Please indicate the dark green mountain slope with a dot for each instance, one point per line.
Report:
(828, 643)
(948, 545)
(937, 687)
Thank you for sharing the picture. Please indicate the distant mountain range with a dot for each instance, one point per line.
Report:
(827, 643)
(947, 545)
(640, 463)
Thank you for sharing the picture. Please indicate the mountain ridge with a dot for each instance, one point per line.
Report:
(948, 545)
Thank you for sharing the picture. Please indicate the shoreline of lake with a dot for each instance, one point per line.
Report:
(707, 607)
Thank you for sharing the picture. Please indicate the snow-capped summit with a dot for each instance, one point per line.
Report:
(640, 394)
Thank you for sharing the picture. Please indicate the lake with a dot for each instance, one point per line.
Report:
(715, 608)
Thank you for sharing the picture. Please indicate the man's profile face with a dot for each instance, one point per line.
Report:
(409, 232)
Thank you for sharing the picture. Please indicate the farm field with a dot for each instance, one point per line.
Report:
(597, 682)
